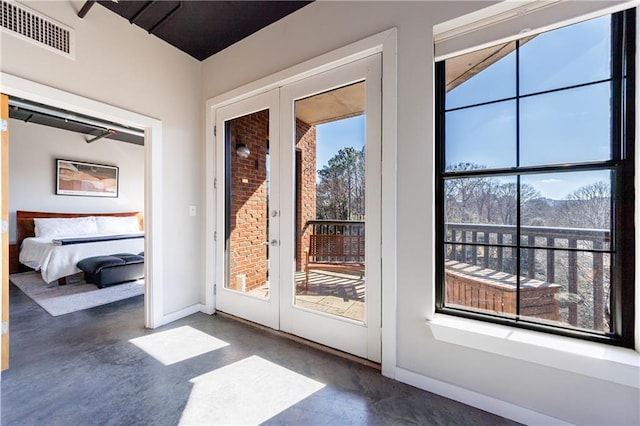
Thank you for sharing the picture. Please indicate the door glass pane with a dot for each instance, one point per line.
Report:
(247, 203)
(330, 204)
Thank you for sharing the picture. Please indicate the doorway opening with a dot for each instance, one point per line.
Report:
(152, 130)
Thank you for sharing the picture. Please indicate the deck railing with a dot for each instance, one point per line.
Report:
(340, 227)
(336, 227)
(492, 246)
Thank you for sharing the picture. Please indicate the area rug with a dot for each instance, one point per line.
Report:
(76, 295)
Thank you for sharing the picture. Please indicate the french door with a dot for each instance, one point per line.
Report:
(247, 205)
(298, 172)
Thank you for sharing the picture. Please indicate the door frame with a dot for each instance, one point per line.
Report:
(385, 43)
(26, 89)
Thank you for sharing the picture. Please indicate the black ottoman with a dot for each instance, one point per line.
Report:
(114, 269)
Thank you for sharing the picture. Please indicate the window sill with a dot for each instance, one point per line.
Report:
(610, 363)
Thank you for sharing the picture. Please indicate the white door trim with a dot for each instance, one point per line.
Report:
(26, 89)
(385, 43)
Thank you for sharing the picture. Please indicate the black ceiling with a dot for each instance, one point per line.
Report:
(202, 28)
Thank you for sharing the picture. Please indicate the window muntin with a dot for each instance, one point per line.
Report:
(551, 160)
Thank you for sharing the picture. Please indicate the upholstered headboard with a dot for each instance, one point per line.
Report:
(25, 226)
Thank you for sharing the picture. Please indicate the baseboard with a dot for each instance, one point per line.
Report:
(166, 319)
(477, 400)
(205, 310)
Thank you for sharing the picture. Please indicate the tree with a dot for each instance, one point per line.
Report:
(341, 186)
(486, 199)
(507, 195)
(461, 194)
(587, 207)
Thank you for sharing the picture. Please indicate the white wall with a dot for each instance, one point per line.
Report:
(34, 149)
(121, 65)
(495, 377)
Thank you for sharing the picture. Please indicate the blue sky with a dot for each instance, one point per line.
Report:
(555, 128)
(333, 136)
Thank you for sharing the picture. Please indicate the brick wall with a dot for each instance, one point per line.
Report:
(249, 200)
(249, 197)
(305, 187)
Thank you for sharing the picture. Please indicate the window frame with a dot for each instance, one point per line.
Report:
(623, 135)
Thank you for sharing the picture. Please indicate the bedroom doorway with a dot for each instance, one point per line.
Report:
(17, 87)
(271, 190)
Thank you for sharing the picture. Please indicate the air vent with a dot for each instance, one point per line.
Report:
(34, 27)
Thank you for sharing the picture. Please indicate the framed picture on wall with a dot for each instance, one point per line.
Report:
(86, 179)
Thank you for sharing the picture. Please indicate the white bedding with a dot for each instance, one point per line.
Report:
(56, 261)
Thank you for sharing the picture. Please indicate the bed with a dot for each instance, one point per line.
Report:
(53, 243)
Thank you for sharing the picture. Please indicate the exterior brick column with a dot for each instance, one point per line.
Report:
(249, 201)
(305, 187)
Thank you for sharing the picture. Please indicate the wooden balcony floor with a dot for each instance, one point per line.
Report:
(337, 293)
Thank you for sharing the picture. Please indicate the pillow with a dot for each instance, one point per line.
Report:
(65, 227)
(113, 225)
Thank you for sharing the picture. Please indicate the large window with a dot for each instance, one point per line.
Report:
(535, 196)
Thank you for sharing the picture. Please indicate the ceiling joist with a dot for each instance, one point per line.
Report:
(85, 9)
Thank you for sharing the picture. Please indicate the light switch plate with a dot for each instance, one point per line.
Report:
(193, 211)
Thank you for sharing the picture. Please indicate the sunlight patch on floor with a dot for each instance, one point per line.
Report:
(246, 392)
(178, 344)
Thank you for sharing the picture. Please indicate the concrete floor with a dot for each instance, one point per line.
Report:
(101, 366)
